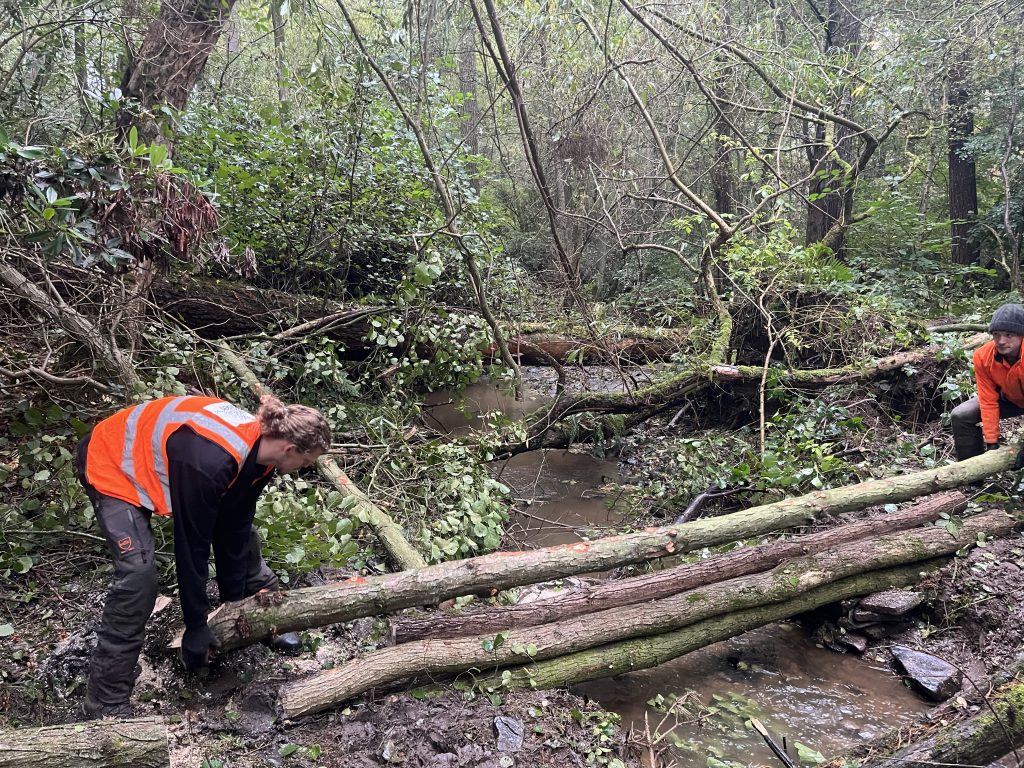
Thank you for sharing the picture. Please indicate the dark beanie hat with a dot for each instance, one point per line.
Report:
(1009, 318)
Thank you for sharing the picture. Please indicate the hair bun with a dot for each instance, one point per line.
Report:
(304, 426)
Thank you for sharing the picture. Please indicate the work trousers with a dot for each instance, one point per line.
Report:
(965, 421)
(132, 595)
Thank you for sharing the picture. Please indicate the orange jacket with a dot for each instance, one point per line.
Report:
(127, 456)
(995, 377)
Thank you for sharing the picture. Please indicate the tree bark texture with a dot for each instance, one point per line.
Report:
(140, 743)
(834, 153)
(170, 62)
(218, 308)
(784, 582)
(244, 622)
(982, 739)
(963, 180)
(646, 652)
(659, 584)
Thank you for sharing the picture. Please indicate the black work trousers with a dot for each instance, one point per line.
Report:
(965, 422)
(132, 595)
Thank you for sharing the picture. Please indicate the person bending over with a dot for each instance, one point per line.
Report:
(202, 462)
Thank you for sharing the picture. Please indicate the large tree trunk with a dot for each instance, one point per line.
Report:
(963, 181)
(653, 586)
(244, 622)
(830, 199)
(169, 63)
(784, 582)
(138, 743)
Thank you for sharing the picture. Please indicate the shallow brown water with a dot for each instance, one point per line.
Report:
(800, 692)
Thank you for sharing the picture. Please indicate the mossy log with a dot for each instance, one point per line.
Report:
(646, 652)
(995, 731)
(240, 623)
(519, 646)
(244, 622)
(652, 586)
(672, 391)
(140, 743)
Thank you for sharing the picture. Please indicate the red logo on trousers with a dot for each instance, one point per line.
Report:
(125, 545)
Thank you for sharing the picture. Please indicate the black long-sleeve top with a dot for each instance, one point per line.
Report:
(211, 508)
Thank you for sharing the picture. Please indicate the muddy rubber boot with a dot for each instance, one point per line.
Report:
(289, 644)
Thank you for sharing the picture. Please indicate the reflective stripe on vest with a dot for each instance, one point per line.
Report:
(234, 430)
(169, 415)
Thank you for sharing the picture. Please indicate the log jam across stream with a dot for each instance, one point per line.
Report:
(800, 691)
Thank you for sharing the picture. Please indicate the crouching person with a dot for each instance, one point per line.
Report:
(999, 376)
(203, 462)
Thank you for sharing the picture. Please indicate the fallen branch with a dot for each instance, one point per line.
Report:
(782, 583)
(653, 586)
(246, 621)
(387, 531)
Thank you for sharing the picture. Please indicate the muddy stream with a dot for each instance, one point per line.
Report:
(800, 691)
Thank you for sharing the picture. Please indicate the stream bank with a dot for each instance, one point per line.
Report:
(229, 718)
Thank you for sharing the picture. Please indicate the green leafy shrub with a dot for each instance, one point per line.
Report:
(37, 475)
(459, 509)
(303, 527)
(802, 444)
(94, 202)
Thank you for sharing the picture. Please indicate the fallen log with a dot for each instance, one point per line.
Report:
(674, 390)
(633, 345)
(513, 647)
(244, 622)
(653, 586)
(992, 733)
(140, 743)
(645, 652)
(215, 309)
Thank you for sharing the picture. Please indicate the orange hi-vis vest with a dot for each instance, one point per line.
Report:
(127, 454)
